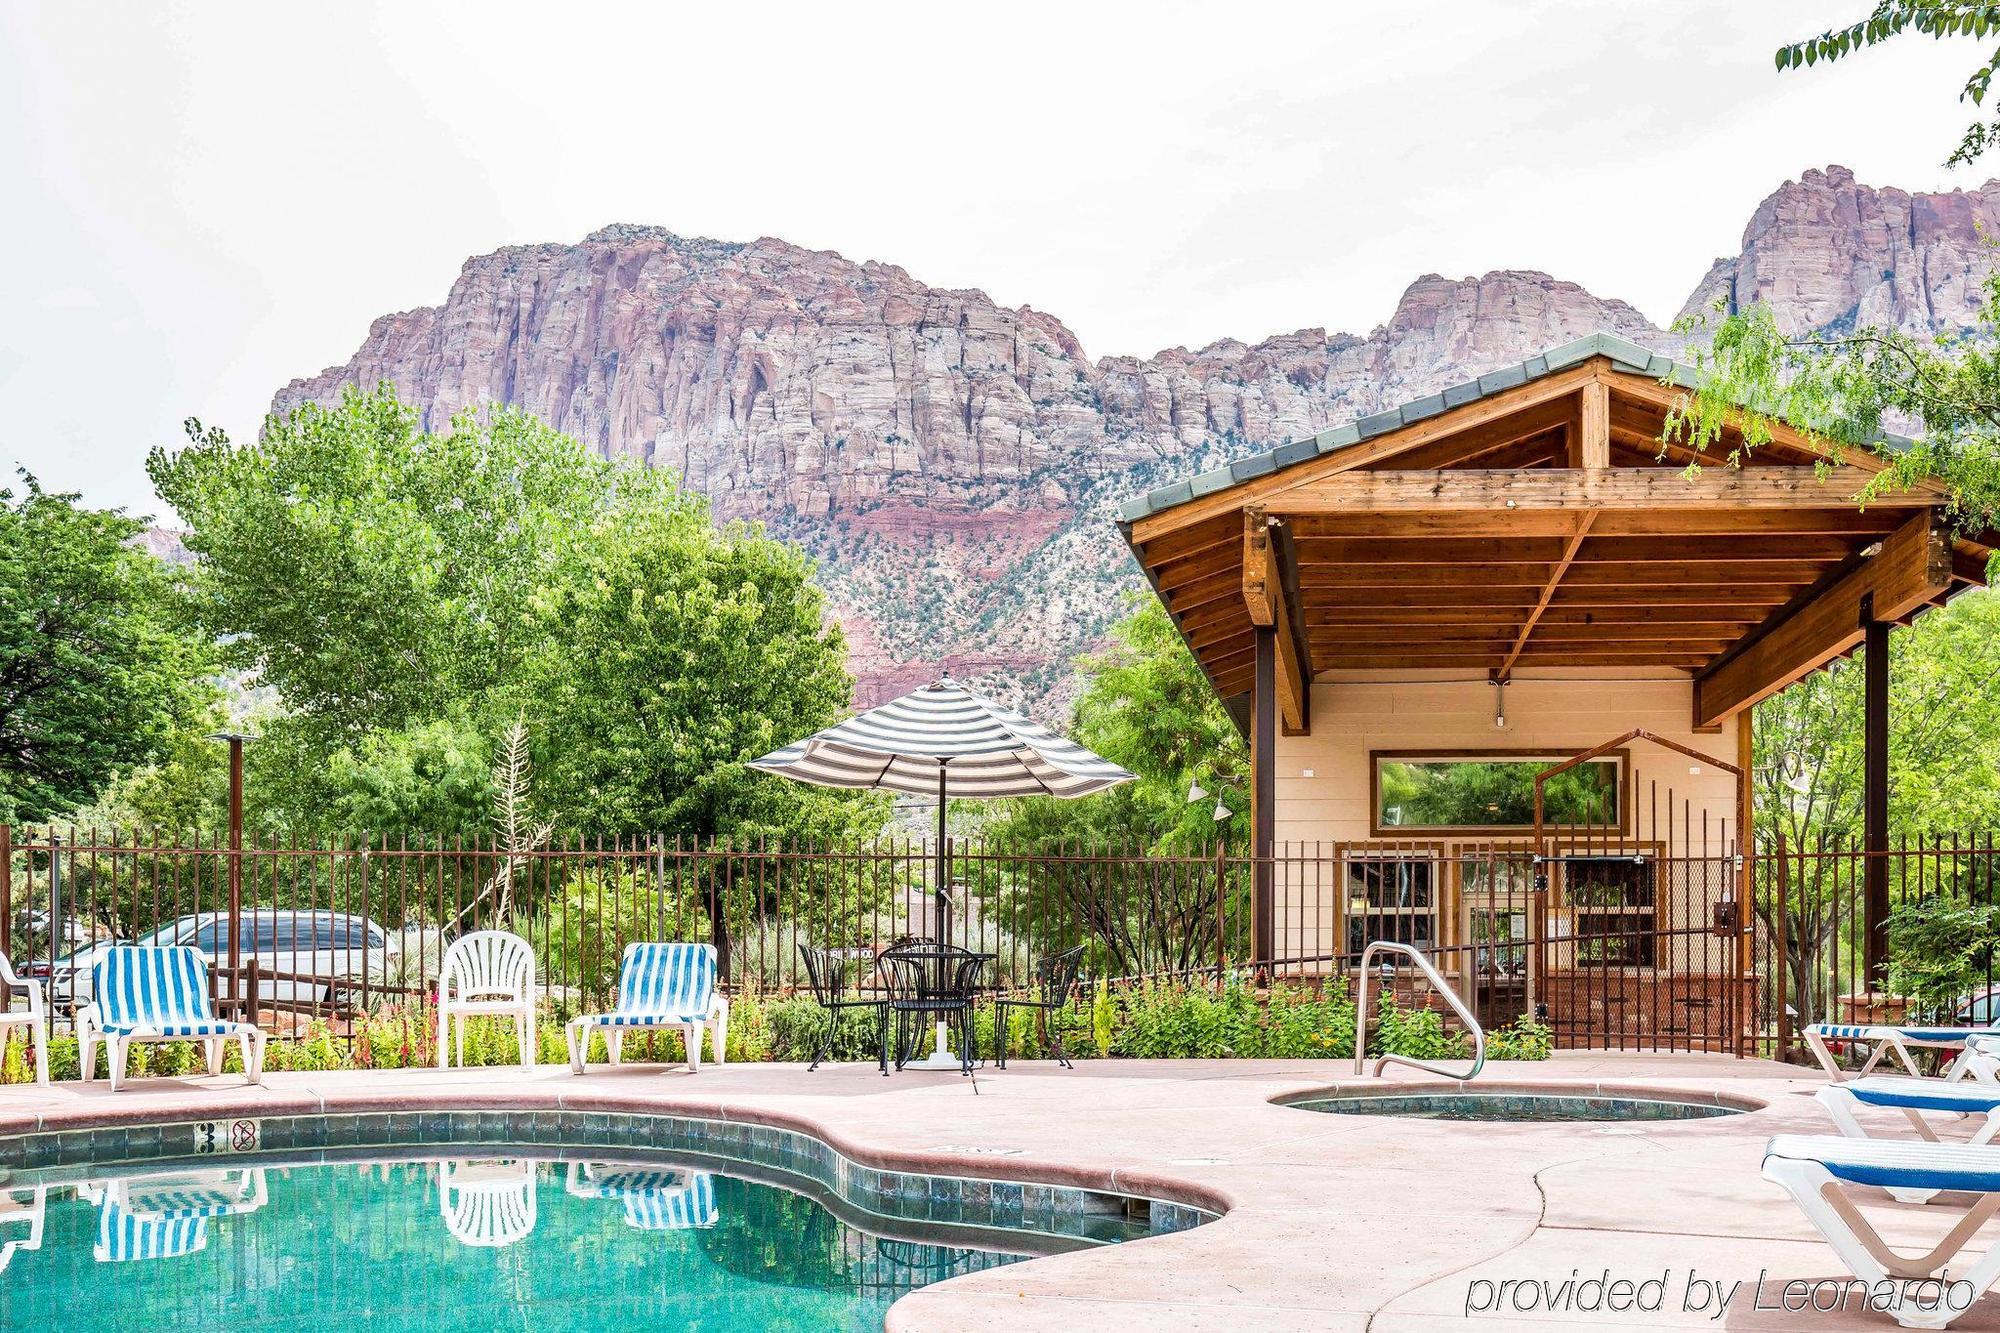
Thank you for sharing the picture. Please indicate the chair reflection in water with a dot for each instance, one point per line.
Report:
(654, 1199)
(21, 1206)
(166, 1216)
(487, 1204)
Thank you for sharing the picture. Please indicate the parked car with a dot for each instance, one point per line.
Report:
(293, 944)
(1979, 1009)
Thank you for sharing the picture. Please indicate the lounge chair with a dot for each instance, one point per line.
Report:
(487, 1204)
(1914, 1097)
(489, 972)
(35, 1017)
(157, 993)
(167, 1216)
(660, 986)
(1888, 1038)
(654, 1200)
(1818, 1171)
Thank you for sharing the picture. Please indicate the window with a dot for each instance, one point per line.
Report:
(1495, 792)
(1390, 897)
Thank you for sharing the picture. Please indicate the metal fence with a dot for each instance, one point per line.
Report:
(1613, 944)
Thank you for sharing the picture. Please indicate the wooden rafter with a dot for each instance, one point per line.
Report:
(1446, 489)
(1912, 568)
(1548, 593)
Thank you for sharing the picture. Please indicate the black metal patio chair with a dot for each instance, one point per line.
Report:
(932, 980)
(827, 976)
(1055, 978)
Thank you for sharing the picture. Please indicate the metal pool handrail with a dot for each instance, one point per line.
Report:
(1416, 956)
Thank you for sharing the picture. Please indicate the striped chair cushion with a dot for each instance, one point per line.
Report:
(1882, 1032)
(123, 1237)
(1923, 1094)
(1895, 1164)
(158, 989)
(663, 983)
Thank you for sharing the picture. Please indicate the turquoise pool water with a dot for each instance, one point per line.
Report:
(467, 1243)
(1514, 1107)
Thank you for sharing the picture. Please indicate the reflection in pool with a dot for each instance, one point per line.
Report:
(463, 1243)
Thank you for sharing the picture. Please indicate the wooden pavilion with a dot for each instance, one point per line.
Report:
(1516, 569)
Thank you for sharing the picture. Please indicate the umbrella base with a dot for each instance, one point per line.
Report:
(942, 1057)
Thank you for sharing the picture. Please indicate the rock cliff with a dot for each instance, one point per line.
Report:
(952, 462)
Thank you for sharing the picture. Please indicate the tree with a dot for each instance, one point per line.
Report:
(674, 654)
(1938, 19)
(98, 672)
(408, 596)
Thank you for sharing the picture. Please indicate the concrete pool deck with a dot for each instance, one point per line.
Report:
(1332, 1222)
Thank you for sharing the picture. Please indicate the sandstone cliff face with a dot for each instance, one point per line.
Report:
(1826, 252)
(953, 462)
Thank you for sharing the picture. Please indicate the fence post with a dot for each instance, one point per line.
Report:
(718, 914)
(1221, 910)
(1781, 963)
(6, 891)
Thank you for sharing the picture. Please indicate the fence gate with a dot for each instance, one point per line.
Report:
(1637, 917)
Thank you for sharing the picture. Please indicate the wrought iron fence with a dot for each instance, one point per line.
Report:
(1612, 943)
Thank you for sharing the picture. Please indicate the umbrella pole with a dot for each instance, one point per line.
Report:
(941, 1056)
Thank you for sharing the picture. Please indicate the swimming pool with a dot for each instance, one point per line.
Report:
(1515, 1107)
(722, 1227)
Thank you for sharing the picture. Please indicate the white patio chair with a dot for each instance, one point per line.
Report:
(156, 993)
(18, 1211)
(35, 1018)
(487, 1204)
(660, 986)
(654, 1200)
(489, 972)
(1818, 1172)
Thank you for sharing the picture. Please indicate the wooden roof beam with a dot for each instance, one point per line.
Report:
(1264, 593)
(1480, 490)
(1911, 568)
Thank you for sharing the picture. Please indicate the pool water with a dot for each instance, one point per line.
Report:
(1516, 1108)
(465, 1243)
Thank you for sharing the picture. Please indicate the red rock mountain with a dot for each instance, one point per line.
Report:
(953, 463)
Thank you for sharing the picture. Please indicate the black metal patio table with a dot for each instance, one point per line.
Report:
(940, 981)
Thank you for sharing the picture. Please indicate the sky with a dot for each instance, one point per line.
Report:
(199, 202)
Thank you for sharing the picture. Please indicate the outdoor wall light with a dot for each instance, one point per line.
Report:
(1195, 792)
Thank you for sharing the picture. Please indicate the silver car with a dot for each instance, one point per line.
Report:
(300, 954)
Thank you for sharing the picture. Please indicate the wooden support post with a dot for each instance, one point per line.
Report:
(1263, 789)
(6, 892)
(236, 869)
(1875, 797)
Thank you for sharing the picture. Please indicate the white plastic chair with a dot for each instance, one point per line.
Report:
(487, 1204)
(486, 972)
(35, 1017)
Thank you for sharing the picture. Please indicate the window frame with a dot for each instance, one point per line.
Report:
(1524, 832)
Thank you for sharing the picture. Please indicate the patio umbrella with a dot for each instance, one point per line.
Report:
(944, 739)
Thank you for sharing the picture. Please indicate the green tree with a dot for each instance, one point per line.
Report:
(674, 654)
(1145, 705)
(98, 672)
(1937, 19)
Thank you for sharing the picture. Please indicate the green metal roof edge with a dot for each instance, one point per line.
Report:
(1624, 355)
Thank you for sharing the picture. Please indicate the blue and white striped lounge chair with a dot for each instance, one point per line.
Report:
(1914, 1097)
(1818, 1172)
(654, 1200)
(1885, 1039)
(659, 986)
(157, 993)
(165, 1217)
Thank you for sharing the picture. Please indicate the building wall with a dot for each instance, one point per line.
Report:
(1323, 807)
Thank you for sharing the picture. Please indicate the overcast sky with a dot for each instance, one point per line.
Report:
(202, 201)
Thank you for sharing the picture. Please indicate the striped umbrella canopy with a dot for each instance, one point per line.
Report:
(945, 740)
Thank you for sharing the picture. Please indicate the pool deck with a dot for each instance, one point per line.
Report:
(1332, 1222)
